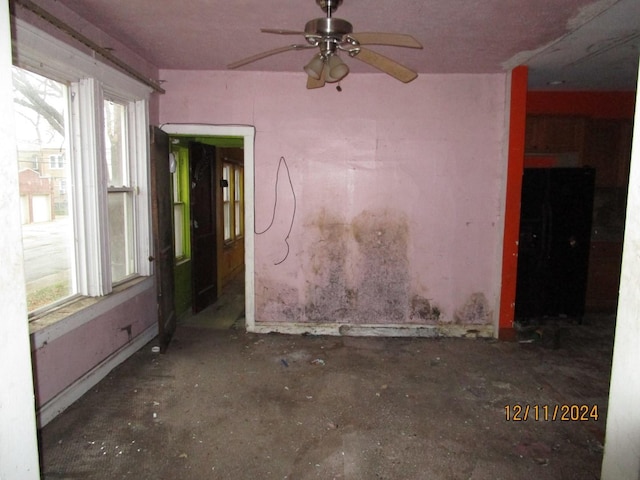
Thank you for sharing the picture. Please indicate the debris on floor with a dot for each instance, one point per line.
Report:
(386, 408)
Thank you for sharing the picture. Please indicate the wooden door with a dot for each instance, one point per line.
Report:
(202, 163)
(162, 207)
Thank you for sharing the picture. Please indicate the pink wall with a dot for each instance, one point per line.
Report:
(398, 191)
(59, 363)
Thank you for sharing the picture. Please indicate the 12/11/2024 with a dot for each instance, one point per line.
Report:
(551, 413)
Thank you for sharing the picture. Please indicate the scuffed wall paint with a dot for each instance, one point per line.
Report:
(59, 363)
(394, 193)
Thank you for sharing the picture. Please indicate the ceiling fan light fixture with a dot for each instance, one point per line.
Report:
(336, 69)
(332, 35)
(314, 67)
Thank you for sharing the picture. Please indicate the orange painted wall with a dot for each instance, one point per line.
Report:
(611, 105)
(517, 120)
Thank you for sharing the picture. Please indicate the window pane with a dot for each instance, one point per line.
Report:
(238, 231)
(45, 193)
(237, 196)
(178, 221)
(226, 177)
(226, 199)
(227, 221)
(120, 203)
(115, 125)
(121, 235)
(236, 185)
(175, 179)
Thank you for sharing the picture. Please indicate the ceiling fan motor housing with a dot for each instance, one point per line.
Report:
(328, 27)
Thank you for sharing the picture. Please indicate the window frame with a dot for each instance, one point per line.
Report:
(56, 162)
(56, 166)
(180, 197)
(129, 176)
(233, 202)
(90, 82)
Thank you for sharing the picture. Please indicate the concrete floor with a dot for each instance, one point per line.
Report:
(224, 404)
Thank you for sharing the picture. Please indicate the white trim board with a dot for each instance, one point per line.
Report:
(77, 389)
(378, 330)
(248, 133)
(35, 48)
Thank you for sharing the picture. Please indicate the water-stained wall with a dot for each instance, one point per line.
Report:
(358, 270)
(378, 205)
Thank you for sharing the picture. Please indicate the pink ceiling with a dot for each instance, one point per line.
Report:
(567, 39)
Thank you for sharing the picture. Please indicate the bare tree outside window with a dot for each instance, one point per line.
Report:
(40, 106)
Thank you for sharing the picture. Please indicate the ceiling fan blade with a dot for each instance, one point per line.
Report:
(388, 66)
(392, 39)
(313, 83)
(280, 31)
(268, 53)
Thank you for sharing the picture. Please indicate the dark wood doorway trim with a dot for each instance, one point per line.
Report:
(162, 214)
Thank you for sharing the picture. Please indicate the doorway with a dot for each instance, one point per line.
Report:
(242, 143)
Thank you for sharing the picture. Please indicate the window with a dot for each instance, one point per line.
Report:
(180, 179)
(83, 154)
(56, 161)
(233, 201)
(238, 198)
(120, 193)
(41, 106)
(226, 201)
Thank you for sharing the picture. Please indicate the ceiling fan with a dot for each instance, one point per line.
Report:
(331, 35)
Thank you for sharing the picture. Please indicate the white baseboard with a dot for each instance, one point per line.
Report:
(73, 392)
(400, 330)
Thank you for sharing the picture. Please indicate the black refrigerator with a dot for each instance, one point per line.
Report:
(554, 242)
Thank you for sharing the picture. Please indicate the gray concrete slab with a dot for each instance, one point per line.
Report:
(223, 404)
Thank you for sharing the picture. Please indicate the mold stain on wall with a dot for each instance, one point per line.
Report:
(423, 311)
(383, 267)
(279, 302)
(329, 298)
(475, 311)
(359, 270)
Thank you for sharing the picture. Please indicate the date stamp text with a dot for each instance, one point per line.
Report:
(551, 413)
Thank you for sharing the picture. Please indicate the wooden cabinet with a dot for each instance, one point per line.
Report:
(608, 149)
(605, 145)
(554, 134)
